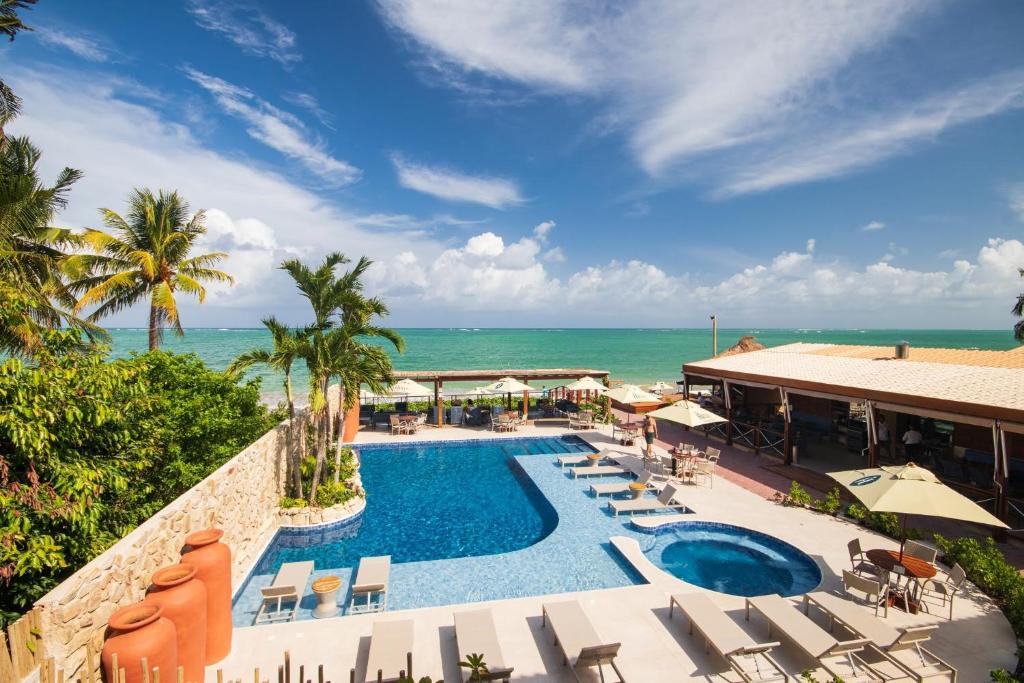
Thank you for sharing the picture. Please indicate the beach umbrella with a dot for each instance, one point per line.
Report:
(587, 384)
(510, 385)
(476, 392)
(406, 388)
(631, 393)
(366, 395)
(686, 413)
(911, 490)
(660, 387)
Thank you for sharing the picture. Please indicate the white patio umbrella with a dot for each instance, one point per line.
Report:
(406, 388)
(687, 413)
(587, 384)
(661, 387)
(476, 392)
(631, 393)
(911, 490)
(510, 385)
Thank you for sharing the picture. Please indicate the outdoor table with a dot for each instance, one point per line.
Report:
(326, 591)
(629, 433)
(684, 459)
(637, 489)
(915, 569)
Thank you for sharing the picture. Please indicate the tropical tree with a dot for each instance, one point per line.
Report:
(10, 25)
(1018, 310)
(31, 249)
(334, 347)
(145, 255)
(287, 343)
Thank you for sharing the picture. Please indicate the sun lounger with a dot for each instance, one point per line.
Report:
(664, 501)
(838, 658)
(900, 647)
(584, 458)
(288, 587)
(475, 635)
(390, 651)
(750, 660)
(577, 639)
(371, 580)
(597, 470)
(646, 478)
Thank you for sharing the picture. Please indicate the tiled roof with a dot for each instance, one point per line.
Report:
(983, 385)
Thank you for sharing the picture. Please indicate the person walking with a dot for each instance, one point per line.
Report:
(650, 434)
(882, 433)
(912, 440)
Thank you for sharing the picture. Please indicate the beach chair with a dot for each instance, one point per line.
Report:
(838, 658)
(371, 580)
(945, 590)
(646, 478)
(920, 551)
(475, 634)
(859, 561)
(390, 657)
(750, 660)
(578, 641)
(573, 460)
(574, 420)
(705, 469)
(876, 592)
(287, 588)
(597, 471)
(664, 501)
(901, 648)
(396, 425)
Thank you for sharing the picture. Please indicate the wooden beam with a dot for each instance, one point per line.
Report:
(438, 403)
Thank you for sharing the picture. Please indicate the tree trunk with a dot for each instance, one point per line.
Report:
(323, 439)
(154, 330)
(340, 433)
(294, 449)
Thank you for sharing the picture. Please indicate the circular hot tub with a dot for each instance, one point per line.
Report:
(731, 559)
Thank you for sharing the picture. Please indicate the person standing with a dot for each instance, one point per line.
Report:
(882, 434)
(912, 440)
(650, 434)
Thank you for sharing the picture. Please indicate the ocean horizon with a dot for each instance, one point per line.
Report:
(639, 355)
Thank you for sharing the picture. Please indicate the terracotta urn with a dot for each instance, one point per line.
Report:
(183, 598)
(138, 632)
(351, 424)
(212, 560)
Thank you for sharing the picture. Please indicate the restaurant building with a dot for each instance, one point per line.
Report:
(832, 407)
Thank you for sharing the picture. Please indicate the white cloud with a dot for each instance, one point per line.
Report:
(947, 254)
(873, 226)
(541, 230)
(554, 255)
(255, 32)
(312, 105)
(88, 47)
(275, 128)
(1016, 197)
(744, 96)
(455, 186)
(894, 252)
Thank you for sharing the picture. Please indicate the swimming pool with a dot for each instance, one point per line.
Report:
(731, 559)
(464, 521)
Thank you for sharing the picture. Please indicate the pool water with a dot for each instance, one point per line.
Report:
(733, 560)
(435, 501)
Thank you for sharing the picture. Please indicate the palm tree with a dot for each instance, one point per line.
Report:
(10, 25)
(282, 357)
(1018, 310)
(342, 317)
(31, 249)
(145, 255)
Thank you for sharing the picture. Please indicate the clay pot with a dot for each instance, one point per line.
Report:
(212, 560)
(351, 424)
(140, 631)
(183, 598)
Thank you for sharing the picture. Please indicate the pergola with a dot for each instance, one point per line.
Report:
(439, 377)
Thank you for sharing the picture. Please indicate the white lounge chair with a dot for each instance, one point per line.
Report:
(475, 635)
(288, 587)
(838, 658)
(371, 580)
(577, 639)
(646, 478)
(902, 648)
(750, 660)
(666, 500)
(597, 470)
(390, 651)
(584, 458)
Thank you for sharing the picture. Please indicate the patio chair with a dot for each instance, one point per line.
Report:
(396, 425)
(576, 638)
(875, 591)
(705, 469)
(664, 502)
(475, 634)
(859, 561)
(646, 478)
(371, 580)
(390, 657)
(750, 660)
(838, 658)
(944, 589)
(920, 551)
(288, 586)
(900, 647)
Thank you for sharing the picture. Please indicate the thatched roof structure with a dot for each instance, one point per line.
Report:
(746, 343)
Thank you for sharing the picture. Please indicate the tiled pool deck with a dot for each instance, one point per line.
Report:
(653, 648)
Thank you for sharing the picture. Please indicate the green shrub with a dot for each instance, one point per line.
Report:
(330, 493)
(798, 497)
(287, 502)
(831, 504)
(883, 522)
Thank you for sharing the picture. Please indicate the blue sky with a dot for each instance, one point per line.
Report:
(520, 163)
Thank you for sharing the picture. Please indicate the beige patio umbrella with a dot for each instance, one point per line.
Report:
(587, 384)
(406, 388)
(476, 392)
(686, 413)
(631, 393)
(661, 387)
(510, 385)
(911, 490)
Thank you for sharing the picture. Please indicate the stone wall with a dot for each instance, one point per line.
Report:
(241, 498)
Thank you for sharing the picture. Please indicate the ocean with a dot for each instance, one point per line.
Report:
(633, 355)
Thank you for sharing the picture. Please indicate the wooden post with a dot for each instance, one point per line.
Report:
(728, 411)
(526, 406)
(438, 402)
(872, 435)
(787, 444)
